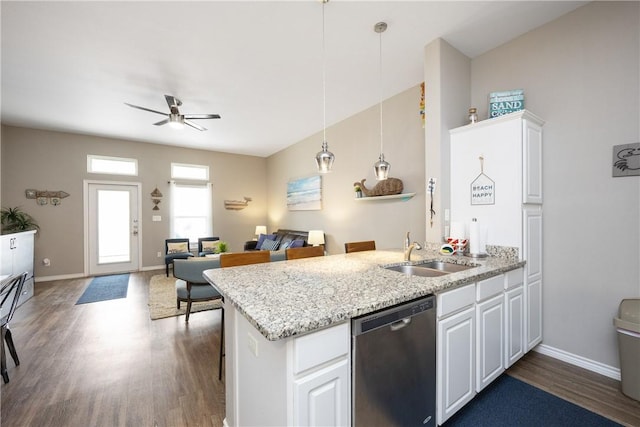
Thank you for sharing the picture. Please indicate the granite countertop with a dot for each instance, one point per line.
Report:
(287, 298)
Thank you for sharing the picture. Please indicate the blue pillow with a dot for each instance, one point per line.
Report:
(269, 245)
(262, 237)
(297, 244)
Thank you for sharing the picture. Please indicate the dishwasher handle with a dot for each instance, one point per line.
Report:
(396, 326)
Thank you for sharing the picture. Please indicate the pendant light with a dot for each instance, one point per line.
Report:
(381, 167)
(324, 158)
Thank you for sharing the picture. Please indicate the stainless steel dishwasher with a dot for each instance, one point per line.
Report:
(394, 366)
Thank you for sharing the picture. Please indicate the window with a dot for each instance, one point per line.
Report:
(190, 202)
(112, 165)
(192, 172)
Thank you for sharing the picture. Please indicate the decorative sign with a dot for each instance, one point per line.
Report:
(501, 103)
(483, 189)
(626, 160)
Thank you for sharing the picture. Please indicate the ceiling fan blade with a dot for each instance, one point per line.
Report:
(162, 122)
(145, 109)
(194, 125)
(201, 116)
(172, 101)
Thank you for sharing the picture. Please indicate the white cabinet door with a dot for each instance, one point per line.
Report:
(514, 325)
(7, 255)
(322, 397)
(456, 362)
(532, 162)
(23, 254)
(490, 340)
(534, 314)
(532, 222)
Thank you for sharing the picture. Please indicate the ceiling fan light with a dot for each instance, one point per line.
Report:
(324, 159)
(176, 121)
(381, 168)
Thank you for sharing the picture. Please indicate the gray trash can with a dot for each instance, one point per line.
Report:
(628, 326)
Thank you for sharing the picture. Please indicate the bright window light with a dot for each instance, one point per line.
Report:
(194, 172)
(112, 165)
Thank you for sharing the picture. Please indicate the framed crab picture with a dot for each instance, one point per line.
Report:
(626, 160)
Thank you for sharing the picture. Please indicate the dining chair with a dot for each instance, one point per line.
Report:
(175, 249)
(205, 246)
(368, 245)
(235, 260)
(192, 287)
(9, 295)
(305, 252)
(244, 258)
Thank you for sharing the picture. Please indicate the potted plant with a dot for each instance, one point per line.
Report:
(222, 247)
(358, 190)
(14, 220)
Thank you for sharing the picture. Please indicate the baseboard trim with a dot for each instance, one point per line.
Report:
(582, 362)
(153, 267)
(60, 277)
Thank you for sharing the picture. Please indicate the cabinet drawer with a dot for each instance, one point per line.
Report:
(456, 299)
(320, 347)
(514, 278)
(490, 287)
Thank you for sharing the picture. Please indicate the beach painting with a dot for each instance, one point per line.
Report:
(305, 194)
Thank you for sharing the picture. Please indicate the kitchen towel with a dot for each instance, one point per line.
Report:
(477, 238)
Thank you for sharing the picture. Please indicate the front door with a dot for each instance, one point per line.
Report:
(113, 239)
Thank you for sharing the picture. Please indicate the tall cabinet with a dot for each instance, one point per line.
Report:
(496, 177)
(17, 257)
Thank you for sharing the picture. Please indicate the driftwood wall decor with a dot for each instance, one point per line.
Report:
(237, 205)
(46, 197)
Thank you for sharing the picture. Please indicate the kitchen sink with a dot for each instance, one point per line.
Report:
(429, 268)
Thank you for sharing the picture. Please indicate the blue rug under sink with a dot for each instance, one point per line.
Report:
(511, 402)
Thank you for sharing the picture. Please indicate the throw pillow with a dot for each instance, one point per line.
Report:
(269, 245)
(210, 246)
(297, 244)
(262, 237)
(285, 245)
(177, 248)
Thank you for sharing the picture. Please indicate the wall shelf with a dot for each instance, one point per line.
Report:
(403, 197)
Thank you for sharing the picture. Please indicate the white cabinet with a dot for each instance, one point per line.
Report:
(321, 378)
(515, 317)
(511, 149)
(490, 337)
(297, 381)
(455, 351)
(17, 257)
(321, 397)
(532, 219)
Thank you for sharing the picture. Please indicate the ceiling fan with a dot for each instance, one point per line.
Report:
(174, 118)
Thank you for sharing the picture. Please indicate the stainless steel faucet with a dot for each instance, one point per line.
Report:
(408, 247)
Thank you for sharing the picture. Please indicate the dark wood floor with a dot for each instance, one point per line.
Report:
(107, 364)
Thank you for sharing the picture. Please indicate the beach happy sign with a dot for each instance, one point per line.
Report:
(483, 189)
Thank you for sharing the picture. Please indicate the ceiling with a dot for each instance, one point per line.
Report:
(71, 66)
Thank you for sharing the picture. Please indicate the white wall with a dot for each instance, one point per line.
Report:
(356, 145)
(580, 74)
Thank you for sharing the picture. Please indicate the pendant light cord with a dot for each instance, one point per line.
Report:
(324, 83)
(380, 91)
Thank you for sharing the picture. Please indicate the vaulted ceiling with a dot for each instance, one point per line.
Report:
(71, 66)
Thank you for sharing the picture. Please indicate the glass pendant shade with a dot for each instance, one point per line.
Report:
(324, 159)
(381, 168)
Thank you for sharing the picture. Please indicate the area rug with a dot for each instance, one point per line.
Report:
(162, 299)
(510, 402)
(105, 288)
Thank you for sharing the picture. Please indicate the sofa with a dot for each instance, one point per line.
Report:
(280, 240)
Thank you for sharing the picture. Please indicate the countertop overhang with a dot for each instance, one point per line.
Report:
(287, 298)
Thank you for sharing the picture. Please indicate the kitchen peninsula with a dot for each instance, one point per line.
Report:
(287, 328)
